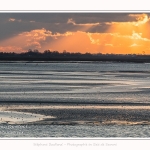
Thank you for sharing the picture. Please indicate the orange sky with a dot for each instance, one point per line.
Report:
(129, 37)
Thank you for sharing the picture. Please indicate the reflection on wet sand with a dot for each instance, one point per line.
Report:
(56, 114)
(15, 117)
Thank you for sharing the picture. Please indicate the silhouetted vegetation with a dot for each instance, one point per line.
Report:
(47, 55)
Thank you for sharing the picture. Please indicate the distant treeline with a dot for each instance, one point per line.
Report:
(47, 55)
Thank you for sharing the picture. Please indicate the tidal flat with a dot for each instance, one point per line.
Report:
(62, 99)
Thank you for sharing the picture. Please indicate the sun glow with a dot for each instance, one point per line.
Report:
(131, 35)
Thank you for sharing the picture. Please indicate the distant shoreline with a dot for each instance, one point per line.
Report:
(72, 61)
(59, 61)
(48, 56)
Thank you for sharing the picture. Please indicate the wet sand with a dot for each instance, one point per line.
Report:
(76, 114)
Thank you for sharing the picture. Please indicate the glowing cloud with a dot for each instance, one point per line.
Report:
(134, 44)
(137, 36)
(109, 45)
(12, 19)
(30, 40)
(141, 19)
(93, 41)
(10, 49)
(85, 24)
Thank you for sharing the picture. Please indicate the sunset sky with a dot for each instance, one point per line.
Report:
(118, 33)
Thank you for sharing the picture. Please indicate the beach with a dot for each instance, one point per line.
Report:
(58, 99)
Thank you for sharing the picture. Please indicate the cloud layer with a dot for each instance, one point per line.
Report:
(75, 32)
